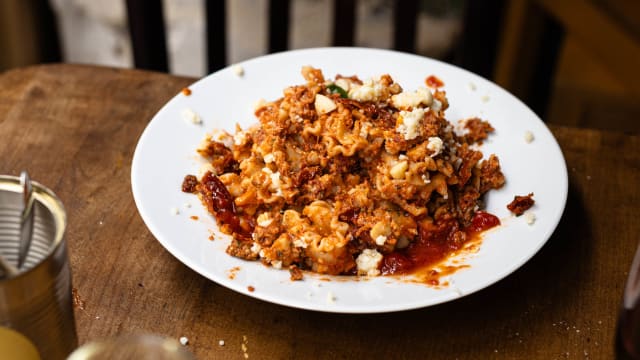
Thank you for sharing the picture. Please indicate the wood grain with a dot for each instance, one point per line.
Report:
(75, 128)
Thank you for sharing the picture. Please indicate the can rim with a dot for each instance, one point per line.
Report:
(51, 201)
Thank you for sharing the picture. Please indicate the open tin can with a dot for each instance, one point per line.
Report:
(36, 309)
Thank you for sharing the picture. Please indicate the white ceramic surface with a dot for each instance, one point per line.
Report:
(166, 152)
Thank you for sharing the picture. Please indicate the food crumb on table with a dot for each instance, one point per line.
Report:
(221, 343)
(244, 346)
(184, 340)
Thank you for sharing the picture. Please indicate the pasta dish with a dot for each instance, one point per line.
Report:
(349, 176)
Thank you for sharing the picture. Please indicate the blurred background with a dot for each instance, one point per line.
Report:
(574, 62)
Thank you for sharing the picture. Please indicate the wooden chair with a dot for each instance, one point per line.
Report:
(148, 37)
(575, 62)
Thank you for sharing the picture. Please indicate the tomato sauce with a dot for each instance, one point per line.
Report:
(433, 81)
(219, 202)
(435, 242)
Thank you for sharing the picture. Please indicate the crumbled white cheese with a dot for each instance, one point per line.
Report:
(300, 243)
(436, 105)
(368, 262)
(324, 105)
(364, 130)
(269, 158)
(344, 84)
(277, 264)
(258, 104)
(240, 138)
(275, 181)
(175, 211)
(409, 123)
(405, 100)
(528, 137)
(530, 217)
(426, 179)
(184, 340)
(380, 240)
(435, 145)
(220, 136)
(370, 90)
(190, 116)
(331, 298)
(238, 70)
(256, 248)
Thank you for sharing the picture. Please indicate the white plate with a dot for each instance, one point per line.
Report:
(166, 152)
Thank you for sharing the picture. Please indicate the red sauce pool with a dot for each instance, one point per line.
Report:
(435, 243)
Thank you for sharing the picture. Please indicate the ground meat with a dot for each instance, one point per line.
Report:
(520, 204)
(478, 130)
(189, 184)
(221, 157)
(241, 249)
(296, 273)
(490, 175)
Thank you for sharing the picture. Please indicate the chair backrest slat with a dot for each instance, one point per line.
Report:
(216, 34)
(344, 22)
(279, 14)
(147, 29)
(405, 17)
(148, 40)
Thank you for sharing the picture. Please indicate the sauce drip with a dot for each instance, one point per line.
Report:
(435, 242)
(433, 81)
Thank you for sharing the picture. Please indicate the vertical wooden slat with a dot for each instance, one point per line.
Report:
(279, 14)
(526, 71)
(344, 22)
(216, 34)
(405, 14)
(146, 27)
(483, 22)
(28, 33)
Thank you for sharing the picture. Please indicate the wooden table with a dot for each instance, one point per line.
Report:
(75, 129)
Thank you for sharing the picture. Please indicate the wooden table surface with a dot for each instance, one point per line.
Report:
(75, 129)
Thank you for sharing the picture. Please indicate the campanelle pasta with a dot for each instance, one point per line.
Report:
(347, 176)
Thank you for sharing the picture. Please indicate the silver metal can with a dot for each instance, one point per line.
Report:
(36, 306)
